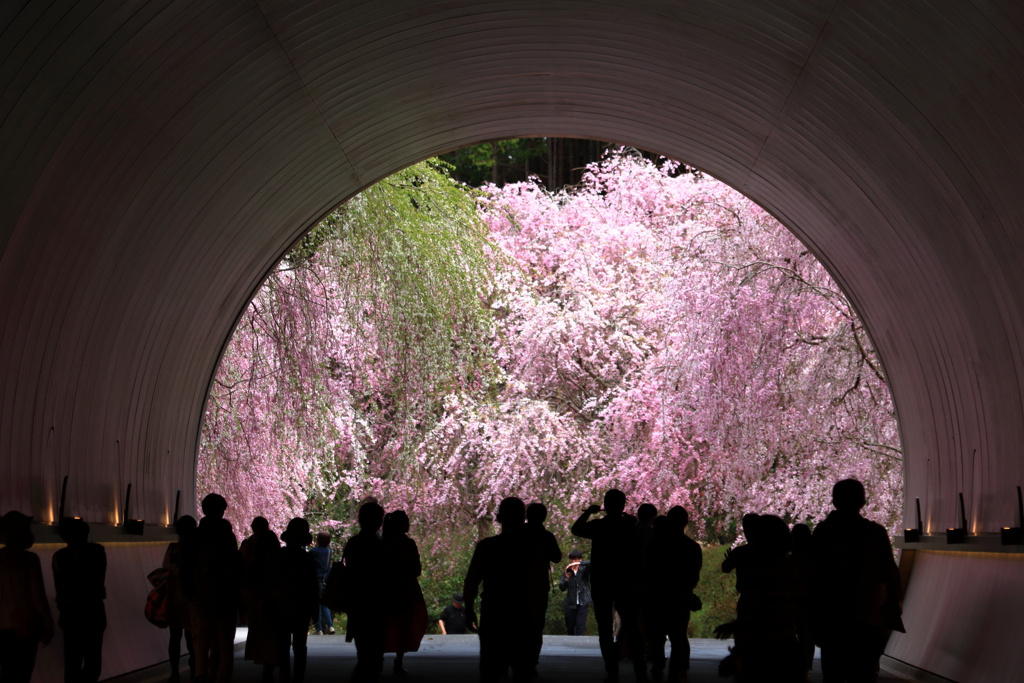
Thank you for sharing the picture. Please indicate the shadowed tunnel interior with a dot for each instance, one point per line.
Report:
(157, 158)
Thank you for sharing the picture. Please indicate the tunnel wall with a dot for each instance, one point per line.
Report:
(157, 158)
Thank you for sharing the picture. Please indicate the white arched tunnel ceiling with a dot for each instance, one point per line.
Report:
(158, 157)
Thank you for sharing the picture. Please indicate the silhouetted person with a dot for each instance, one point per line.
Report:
(25, 618)
(179, 616)
(803, 567)
(79, 575)
(765, 627)
(403, 599)
(364, 562)
(645, 516)
(259, 555)
(674, 561)
(646, 513)
(293, 598)
(545, 550)
(211, 577)
(575, 583)
(616, 569)
(322, 553)
(736, 557)
(453, 617)
(502, 563)
(857, 592)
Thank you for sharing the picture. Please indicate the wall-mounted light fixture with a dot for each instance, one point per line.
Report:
(914, 535)
(959, 535)
(136, 527)
(1014, 535)
(63, 497)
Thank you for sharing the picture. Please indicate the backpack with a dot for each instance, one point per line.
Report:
(158, 599)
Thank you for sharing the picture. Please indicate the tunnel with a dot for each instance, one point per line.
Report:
(159, 157)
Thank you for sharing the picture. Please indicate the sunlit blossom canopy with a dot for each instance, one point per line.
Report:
(157, 158)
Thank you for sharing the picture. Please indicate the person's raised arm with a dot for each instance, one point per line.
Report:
(563, 583)
(579, 527)
(470, 586)
(729, 563)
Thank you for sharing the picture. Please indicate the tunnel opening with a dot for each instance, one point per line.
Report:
(575, 320)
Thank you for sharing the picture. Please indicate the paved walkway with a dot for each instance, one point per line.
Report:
(444, 659)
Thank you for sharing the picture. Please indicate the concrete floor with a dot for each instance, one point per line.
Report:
(454, 659)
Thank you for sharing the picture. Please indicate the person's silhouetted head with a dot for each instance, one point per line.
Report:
(511, 512)
(396, 523)
(371, 516)
(297, 533)
(614, 501)
(750, 526)
(214, 506)
(536, 513)
(184, 526)
(679, 517)
(323, 539)
(259, 524)
(848, 495)
(457, 600)
(73, 531)
(801, 538)
(16, 530)
(575, 554)
(646, 513)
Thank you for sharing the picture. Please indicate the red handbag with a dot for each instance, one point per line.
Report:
(157, 602)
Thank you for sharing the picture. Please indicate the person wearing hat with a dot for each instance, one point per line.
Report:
(453, 618)
(25, 617)
(294, 598)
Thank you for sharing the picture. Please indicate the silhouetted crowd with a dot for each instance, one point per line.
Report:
(838, 588)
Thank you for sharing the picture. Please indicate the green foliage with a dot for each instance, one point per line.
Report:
(412, 264)
(515, 160)
(717, 591)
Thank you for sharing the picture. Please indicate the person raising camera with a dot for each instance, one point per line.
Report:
(575, 583)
